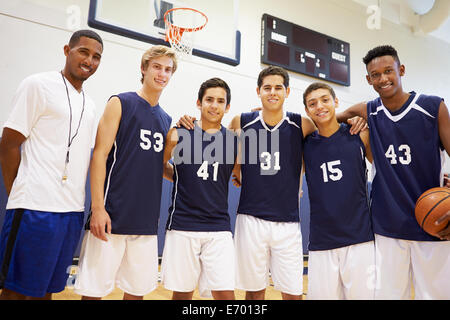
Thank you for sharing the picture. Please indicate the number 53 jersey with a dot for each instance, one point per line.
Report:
(336, 175)
(134, 167)
(408, 160)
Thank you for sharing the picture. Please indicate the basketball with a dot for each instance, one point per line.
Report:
(430, 206)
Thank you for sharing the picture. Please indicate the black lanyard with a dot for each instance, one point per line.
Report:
(70, 139)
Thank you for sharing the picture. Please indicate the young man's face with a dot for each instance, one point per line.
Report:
(384, 75)
(273, 92)
(158, 73)
(320, 106)
(83, 59)
(213, 105)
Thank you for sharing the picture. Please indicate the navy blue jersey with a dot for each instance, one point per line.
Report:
(407, 154)
(271, 168)
(134, 167)
(203, 163)
(336, 175)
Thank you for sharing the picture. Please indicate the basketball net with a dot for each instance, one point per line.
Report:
(181, 23)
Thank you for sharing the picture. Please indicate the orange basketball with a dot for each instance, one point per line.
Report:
(430, 206)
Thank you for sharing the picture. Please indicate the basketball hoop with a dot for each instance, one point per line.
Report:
(178, 21)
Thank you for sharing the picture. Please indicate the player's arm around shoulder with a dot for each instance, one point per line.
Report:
(356, 110)
(308, 126)
(106, 134)
(444, 126)
(365, 138)
(355, 116)
(171, 142)
(235, 124)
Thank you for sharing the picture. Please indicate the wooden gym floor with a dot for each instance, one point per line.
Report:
(160, 293)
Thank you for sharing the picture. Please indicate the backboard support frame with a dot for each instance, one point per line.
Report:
(93, 22)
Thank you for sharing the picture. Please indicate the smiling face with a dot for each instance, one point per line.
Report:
(158, 73)
(213, 105)
(82, 60)
(384, 75)
(273, 92)
(320, 106)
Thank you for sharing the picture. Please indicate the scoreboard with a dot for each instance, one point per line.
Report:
(305, 51)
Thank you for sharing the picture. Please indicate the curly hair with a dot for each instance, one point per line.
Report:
(380, 51)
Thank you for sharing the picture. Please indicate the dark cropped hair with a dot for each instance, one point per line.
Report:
(316, 86)
(272, 71)
(75, 38)
(214, 83)
(380, 51)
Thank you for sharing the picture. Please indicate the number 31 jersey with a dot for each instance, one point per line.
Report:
(408, 160)
(271, 169)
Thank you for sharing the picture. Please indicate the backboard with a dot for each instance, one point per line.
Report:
(143, 20)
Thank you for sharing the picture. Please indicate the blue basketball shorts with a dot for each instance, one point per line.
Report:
(36, 250)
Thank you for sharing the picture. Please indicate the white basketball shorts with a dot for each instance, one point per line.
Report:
(265, 246)
(126, 261)
(424, 263)
(342, 273)
(192, 258)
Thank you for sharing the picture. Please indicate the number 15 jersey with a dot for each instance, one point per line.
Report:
(336, 175)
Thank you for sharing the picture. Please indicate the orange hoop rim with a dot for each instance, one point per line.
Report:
(170, 25)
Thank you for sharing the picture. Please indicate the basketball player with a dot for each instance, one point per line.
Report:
(198, 247)
(409, 132)
(120, 247)
(45, 173)
(341, 256)
(267, 232)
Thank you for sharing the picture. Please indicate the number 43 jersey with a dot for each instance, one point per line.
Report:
(336, 175)
(408, 160)
(134, 167)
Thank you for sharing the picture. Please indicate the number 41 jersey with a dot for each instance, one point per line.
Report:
(203, 163)
(408, 160)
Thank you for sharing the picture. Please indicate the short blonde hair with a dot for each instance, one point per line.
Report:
(156, 52)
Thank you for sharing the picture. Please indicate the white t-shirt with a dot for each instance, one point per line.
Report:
(41, 113)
